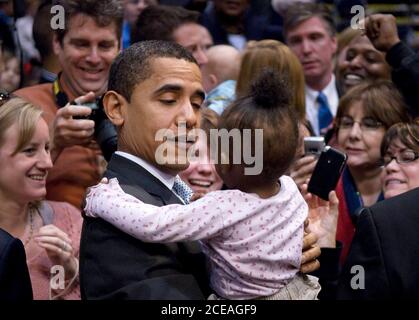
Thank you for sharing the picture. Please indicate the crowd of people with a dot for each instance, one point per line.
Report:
(89, 210)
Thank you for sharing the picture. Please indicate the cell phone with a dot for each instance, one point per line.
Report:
(314, 145)
(327, 172)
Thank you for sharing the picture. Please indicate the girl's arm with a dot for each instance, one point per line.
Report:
(199, 220)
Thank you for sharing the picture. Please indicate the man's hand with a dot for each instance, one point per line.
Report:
(311, 251)
(302, 169)
(381, 29)
(66, 131)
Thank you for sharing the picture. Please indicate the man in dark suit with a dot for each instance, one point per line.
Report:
(153, 85)
(155, 89)
(384, 256)
(15, 283)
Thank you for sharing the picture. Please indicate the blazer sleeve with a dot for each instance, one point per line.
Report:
(15, 283)
(405, 73)
(364, 274)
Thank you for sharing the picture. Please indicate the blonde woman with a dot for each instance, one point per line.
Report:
(50, 231)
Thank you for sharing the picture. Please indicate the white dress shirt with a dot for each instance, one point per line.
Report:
(312, 106)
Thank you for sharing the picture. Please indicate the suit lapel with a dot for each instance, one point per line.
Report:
(138, 182)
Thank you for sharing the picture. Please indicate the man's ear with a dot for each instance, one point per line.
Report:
(114, 105)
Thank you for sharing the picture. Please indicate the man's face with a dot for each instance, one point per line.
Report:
(169, 99)
(314, 47)
(232, 8)
(362, 63)
(196, 39)
(86, 54)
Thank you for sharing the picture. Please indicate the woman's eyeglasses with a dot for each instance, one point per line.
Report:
(366, 123)
(406, 156)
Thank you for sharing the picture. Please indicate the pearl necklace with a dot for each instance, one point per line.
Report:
(26, 242)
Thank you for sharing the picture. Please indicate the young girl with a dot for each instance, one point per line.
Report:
(252, 234)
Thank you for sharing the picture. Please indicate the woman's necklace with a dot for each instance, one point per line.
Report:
(29, 238)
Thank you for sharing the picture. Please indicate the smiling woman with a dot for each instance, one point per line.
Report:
(201, 175)
(363, 116)
(362, 62)
(50, 231)
(400, 152)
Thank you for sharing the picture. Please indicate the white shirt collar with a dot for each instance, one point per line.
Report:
(329, 90)
(167, 179)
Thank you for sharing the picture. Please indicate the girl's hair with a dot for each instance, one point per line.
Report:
(407, 133)
(266, 107)
(26, 115)
(276, 55)
(380, 100)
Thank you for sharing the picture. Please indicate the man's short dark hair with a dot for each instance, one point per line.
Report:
(103, 12)
(133, 65)
(158, 22)
(300, 12)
